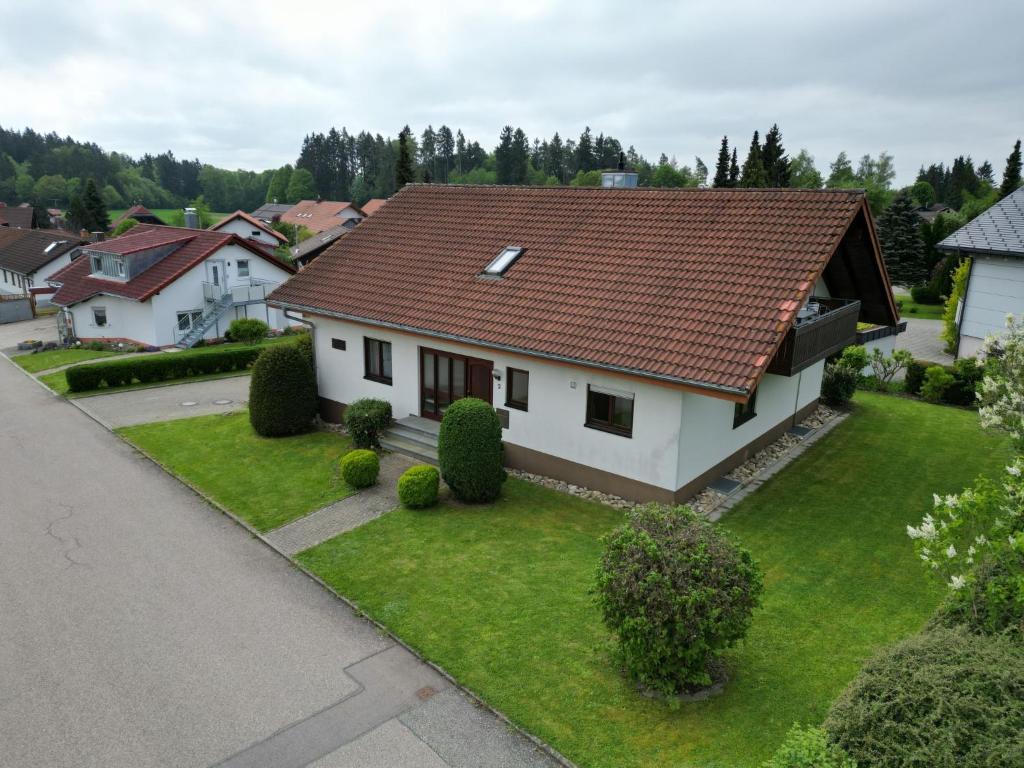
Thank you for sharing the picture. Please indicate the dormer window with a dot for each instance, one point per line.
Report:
(119, 267)
(96, 262)
(499, 266)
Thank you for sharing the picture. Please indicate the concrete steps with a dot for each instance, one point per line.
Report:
(413, 436)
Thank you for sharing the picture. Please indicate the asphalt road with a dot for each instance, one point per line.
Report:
(139, 627)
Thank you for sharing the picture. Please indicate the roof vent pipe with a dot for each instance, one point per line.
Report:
(192, 218)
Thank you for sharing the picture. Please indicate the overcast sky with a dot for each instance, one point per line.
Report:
(239, 84)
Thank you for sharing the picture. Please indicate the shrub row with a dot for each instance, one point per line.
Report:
(120, 373)
(952, 384)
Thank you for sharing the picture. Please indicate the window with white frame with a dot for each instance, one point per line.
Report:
(188, 319)
(243, 267)
(99, 316)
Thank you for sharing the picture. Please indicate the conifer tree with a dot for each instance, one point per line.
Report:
(722, 166)
(734, 171)
(404, 173)
(986, 173)
(503, 157)
(899, 234)
(753, 174)
(585, 152)
(95, 209)
(1011, 176)
(776, 162)
(519, 157)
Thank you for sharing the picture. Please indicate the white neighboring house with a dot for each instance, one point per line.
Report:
(249, 228)
(994, 242)
(166, 286)
(641, 342)
(28, 257)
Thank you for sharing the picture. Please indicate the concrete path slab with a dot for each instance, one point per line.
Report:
(177, 401)
(922, 340)
(391, 745)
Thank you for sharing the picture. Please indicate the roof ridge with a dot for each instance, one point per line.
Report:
(634, 190)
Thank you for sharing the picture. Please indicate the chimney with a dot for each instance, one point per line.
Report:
(97, 237)
(620, 177)
(192, 218)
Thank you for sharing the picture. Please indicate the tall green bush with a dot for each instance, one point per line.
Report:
(366, 419)
(677, 591)
(838, 383)
(950, 327)
(937, 380)
(469, 450)
(282, 394)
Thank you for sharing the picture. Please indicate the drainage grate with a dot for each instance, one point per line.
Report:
(222, 402)
(724, 485)
(799, 431)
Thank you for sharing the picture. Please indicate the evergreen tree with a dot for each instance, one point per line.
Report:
(734, 170)
(460, 151)
(722, 166)
(404, 173)
(585, 152)
(445, 151)
(554, 158)
(753, 173)
(986, 174)
(700, 173)
(428, 152)
(961, 179)
(899, 234)
(1011, 176)
(77, 215)
(95, 208)
(841, 173)
(301, 186)
(503, 162)
(776, 162)
(520, 157)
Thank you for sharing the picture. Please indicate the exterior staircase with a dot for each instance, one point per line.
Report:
(413, 436)
(213, 312)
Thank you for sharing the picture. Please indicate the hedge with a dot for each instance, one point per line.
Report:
(173, 365)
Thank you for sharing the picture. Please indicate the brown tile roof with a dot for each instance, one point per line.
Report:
(19, 217)
(316, 215)
(193, 246)
(250, 220)
(141, 214)
(373, 205)
(696, 287)
(24, 250)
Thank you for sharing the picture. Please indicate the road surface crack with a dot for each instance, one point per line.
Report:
(71, 544)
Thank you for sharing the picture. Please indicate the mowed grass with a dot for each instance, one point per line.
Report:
(500, 595)
(166, 214)
(41, 361)
(911, 309)
(266, 481)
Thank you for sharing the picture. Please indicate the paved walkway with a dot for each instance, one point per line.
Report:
(346, 514)
(143, 628)
(176, 401)
(41, 328)
(922, 339)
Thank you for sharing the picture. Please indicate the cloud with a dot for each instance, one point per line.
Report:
(239, 84)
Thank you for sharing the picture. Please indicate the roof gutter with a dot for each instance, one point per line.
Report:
(732, 391)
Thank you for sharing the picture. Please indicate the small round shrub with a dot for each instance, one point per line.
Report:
(937, 380)
(925, 294)
(854, 356)
(838, 384)
(914, 377)
(360, 468)
(808, 748)
(365, 419)
(677, 591)
(282, 393)
(248, 330)
(469, 450)
(940, 699)
(417, 487)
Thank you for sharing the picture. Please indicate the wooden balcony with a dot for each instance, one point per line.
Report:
(823, 328)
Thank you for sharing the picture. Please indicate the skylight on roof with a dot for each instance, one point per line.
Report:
(50, 247)
(503, 260)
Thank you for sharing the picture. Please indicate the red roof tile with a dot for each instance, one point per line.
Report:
(691, 286)
(193, 246)
(316, 215)
(373, 205)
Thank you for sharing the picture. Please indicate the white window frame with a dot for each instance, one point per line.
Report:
(239, 266)
(192, 315)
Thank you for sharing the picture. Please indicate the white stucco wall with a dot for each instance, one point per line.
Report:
(245, 230)
(676, 435)
(126, 319)
(995, 289)
(9, 282)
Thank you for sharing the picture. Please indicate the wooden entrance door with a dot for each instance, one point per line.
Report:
(446, 377)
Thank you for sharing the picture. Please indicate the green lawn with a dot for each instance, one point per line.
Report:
(166, 214)
(265, 481)
(911, 309)
(42, 361)
(499, 596)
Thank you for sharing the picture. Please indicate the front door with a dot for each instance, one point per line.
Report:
(215, 270)
(445, 377)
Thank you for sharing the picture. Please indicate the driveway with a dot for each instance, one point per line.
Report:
(42, 328)
(143, 628)
(177, 401)
(922, 339)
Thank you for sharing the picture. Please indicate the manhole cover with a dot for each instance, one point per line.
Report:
(222, 402)
(425, 693)
(189, 403)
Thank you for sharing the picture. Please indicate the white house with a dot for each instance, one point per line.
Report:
(636, 341)
(250, 228)
(165, 286)
(994, 242)
(28, 257)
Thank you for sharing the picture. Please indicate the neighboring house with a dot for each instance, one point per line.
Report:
(311, 247)
(28, 258)
(18, 217)
(994, 241)
(165, 286)
(929, 212)
(141, 214)
(270, 213)
(250, 228)
(640, 342)
(320, 215)
(372, 205)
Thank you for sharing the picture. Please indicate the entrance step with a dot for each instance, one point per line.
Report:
(412, 436)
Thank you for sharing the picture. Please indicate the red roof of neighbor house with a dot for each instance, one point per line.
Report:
(695, 287)
(373, 205)
(316, 215)
(250, 220)
(192, 247)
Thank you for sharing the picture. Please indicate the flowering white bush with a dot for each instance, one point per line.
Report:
(1002, 389)
(986, 521)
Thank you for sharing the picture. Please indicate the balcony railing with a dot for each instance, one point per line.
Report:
(821, 328)
(255, 290)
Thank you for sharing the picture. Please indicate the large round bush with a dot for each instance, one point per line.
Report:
(941, 699)
(360, 468)
(469, 450)
(282, 394)
(677, 591)
(417, 487)
(248, 330)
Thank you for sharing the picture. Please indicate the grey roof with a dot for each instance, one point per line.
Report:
(999, 230)
(25, 250)
(312, 246)
(270, 211)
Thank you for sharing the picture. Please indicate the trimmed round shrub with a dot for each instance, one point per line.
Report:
(940, 699)
(417, 487)
(838, 384)
(469, 450)
(808, 748)
(248, 330)
(937, 380)
(854, 356)
(360, 468)
(282, 394)
(305, 345)
(677, 591)
(914, 377)
(365, 419)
